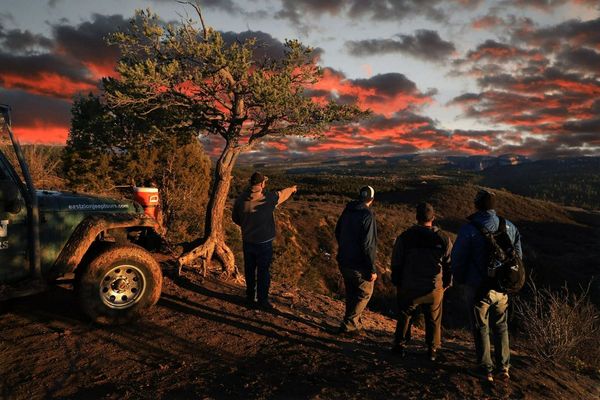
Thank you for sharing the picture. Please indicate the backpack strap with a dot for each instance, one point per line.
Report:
(501, 224)
(480, 228)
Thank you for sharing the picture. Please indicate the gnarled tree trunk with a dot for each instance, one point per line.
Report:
(214, 234)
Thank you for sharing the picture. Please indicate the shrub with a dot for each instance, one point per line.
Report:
(43, 163)
(560, 325)
(106, 151)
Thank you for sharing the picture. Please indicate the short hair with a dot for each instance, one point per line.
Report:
(257, 178)
(425, 212)
(485, 200)
(366, 193)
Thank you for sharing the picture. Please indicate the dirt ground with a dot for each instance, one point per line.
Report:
(201, 341)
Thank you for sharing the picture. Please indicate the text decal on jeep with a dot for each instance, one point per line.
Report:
(96, 206)
(3, 234)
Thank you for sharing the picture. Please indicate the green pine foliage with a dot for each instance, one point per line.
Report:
(102, 154)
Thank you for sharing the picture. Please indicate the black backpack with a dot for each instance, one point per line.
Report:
(506, 272)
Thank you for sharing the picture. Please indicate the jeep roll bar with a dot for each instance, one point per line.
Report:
(31, 200)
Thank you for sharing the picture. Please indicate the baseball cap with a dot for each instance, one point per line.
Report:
(258, 178)
(367, 193)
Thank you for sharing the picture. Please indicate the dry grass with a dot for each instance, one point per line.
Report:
(560, 325)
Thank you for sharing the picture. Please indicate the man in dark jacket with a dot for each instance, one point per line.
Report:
(421, 273)
(253, 212)
(487, 307)
(356, 234)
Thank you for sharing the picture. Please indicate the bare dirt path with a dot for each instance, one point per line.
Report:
(201, 341)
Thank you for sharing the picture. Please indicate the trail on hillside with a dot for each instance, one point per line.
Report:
(201, 341)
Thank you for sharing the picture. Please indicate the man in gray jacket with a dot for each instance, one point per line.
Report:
(356, 234)
(421, 272)
(253, 212)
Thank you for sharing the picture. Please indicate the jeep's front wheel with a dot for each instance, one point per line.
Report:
(119, 284)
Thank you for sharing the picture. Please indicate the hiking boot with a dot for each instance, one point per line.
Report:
(399, 350)
(265, 306)
(250, 303)
(504, 375)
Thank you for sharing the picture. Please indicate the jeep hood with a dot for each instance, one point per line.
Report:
(55, 201)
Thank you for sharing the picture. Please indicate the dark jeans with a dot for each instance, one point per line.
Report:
(431, 303)
(257, 262)
(358, 294)
(489, 311)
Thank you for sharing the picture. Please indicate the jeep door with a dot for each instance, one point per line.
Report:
(14, 262)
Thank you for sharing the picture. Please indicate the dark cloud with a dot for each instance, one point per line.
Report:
(590, 127)
(44, 74)
(16, 40)
(267, 47)
(575, 32)
(30, 109)
(545, 5)
(583, 59)
(400, 118)
(87, 41)
(299, 12)
(493, 50)
(388, 84)
(425, 44)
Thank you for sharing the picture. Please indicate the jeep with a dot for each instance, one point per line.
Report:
(46, 236)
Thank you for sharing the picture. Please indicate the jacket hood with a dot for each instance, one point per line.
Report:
(356, 205)
(486, 218)
(433, 228)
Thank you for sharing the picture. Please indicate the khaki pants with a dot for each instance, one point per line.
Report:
(358, 294)
(486, 313)
(432, 304)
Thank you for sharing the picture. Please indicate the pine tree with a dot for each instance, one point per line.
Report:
(195, 83)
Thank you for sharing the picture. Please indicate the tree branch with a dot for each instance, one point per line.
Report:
(196, 6)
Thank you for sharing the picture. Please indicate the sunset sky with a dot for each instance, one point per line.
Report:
(447, 77)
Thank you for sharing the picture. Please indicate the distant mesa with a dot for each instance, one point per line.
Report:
(479, 163)
(471, 163)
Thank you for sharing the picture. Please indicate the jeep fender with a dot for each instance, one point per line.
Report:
(86, 233)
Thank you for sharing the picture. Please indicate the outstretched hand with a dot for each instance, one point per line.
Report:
(373, 278)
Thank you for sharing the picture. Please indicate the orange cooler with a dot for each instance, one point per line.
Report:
(148, 198)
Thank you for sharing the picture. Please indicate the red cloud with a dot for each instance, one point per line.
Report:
(99, 70)
(46, 83)
(39, 132)
(486, 22)
(378, 101)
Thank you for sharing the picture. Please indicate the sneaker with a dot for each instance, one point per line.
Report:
(485, 374)
(399, 350)
(343, 331)
(265, 306)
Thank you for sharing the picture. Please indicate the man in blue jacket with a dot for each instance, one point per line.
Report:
(356, 234)
(488, 308)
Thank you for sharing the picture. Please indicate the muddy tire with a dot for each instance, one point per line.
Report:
(119, 285)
